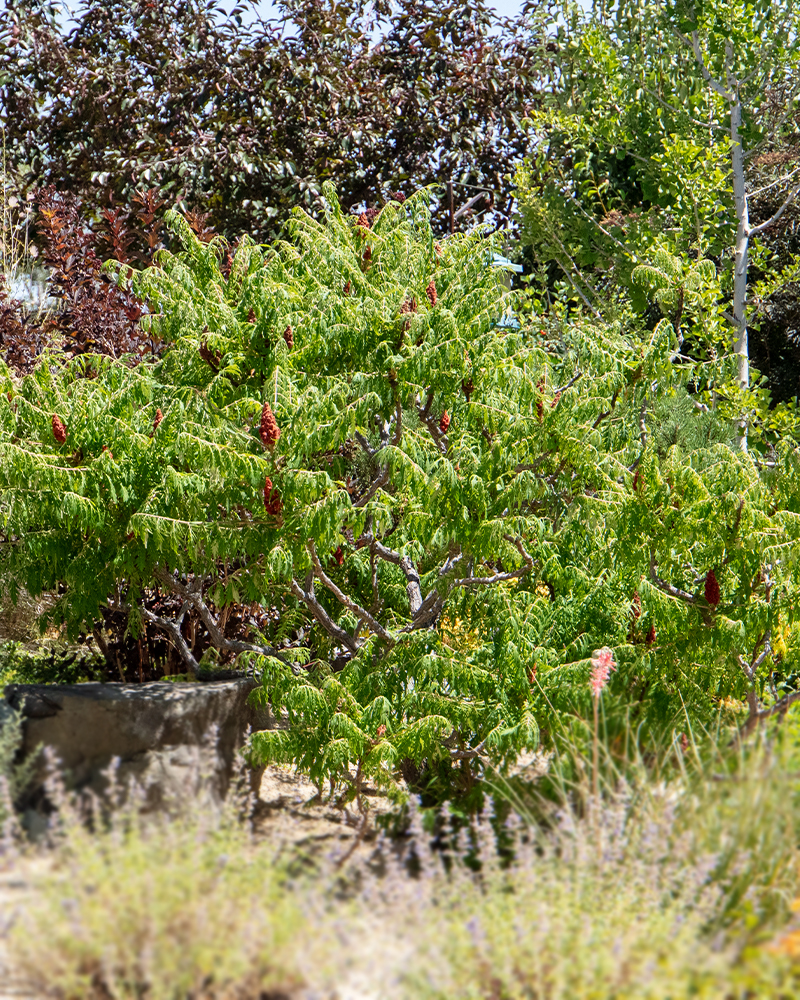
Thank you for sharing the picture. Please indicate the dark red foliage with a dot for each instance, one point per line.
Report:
(94, 313)
(711, 589)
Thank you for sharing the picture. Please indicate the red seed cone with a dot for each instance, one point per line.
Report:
(366, 261)
(711, 589)
(346, 289)
(636, 480)
(363, 220)
(158, 419)
(59, 430)
(468, 387)
(651, 635)
(444, 422)
(288, 336)
(272, 501)
(270, 432)
(556, 399)
(338, 555)
(636, 606)
(430, 291)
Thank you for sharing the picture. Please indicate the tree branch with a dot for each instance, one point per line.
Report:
(193, 595)
(322, 616)
(348, 602)
(755, 230)
(482, 581)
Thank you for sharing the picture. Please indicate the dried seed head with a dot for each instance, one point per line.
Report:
(556, 399)
(158, 419)
(363, 220)
(272, 501)
(444, 422)
(288, 336)
(211, 359)
(270, 432)
(651, 635)
(636, 606)
(430, 291)
(366, 261)
(468, 387)
(59, 430)
(251, 316)
(397, 196)
(711, 589)
(539, 410)
(346, 289)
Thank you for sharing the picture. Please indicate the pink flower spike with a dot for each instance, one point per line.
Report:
(602, 665)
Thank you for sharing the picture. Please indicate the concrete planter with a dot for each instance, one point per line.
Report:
(176, 741)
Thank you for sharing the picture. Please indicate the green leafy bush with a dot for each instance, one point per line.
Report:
(439, 517)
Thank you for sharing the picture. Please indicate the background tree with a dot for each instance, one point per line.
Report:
(244, 118)
(670, 122)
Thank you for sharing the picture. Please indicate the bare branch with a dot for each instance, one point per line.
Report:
(375, 485)
(173, 630)
(192, 595)
(672, 591)
(348, 602)
(755, 230)
(482, 581)
(322, 616)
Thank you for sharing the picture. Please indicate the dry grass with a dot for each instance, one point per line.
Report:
(672, 889)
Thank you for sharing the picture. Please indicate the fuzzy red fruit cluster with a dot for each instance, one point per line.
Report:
(338, 555)
(366, 260)
(288, 336)
(363, 220)
(346, 289)
(272, 501)
(711, 589)
(556, 400)
(651, 635)
(468, 387)
(430, 291)
(158, 419)
(59, 430)
(444, 422)
(270, 432)
(636, 606)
